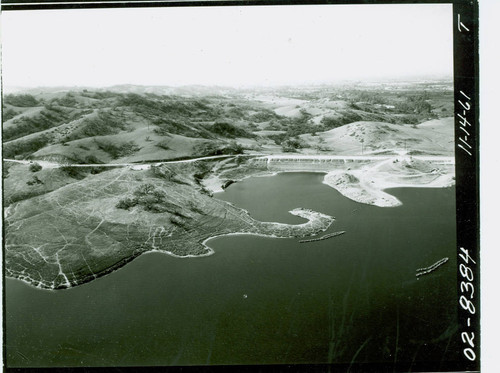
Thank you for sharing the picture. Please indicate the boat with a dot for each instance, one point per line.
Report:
(326, 236)
(431, 268)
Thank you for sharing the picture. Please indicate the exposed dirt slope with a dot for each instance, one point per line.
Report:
(435, 137)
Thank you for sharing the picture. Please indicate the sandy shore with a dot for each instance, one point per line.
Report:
(366, 182)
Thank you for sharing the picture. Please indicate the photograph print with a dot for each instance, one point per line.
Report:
(213, 185)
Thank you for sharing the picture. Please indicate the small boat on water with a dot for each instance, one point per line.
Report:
(326, 236)
(431, 268)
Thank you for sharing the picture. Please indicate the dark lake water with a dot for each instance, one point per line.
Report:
(259, 300)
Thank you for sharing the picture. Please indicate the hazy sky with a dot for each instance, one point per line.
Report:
(258, 45)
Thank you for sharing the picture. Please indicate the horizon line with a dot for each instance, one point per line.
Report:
(237, 86)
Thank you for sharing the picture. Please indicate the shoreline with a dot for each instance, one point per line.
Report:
(375, 195)
(310, 215)
(366, 183)
(373, 191)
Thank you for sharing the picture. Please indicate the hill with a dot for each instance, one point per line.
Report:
(95, 177)
(435, 137)
(91, 227)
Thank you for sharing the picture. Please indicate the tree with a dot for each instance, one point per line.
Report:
(35, 167)
(291, 145)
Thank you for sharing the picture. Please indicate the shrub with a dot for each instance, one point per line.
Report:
(236, 112)
(163, 144)
(74, 172)
(97, 170)
(126, 203)
(92, 159)
(253, 126)
(68, 100)
(291, 145)
(117, 150)
(34, 180)
(263, 116)
(35, 167)
(322, 148)
(415, 104)
(345, 118)
(233, 148)
(176, 220)
(409, 119)
(147, 196)
(274, 126)
(228, 130)
(218, 148)
(278, 138)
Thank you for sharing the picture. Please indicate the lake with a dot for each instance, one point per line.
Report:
(257, 300)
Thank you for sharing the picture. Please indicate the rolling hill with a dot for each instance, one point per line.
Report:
(434, 137)
(87, 189)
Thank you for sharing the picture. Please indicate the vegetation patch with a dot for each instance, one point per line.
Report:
(104, 123)
(20, 100)
(292, 145)
(218, 148)
(24, 148)
(117, 150)
(68, 100)
(8, 113)
(77, 173)
(34, 180)
(35, 167)
(150, 198)
(228, 130)
(264, 116)
(50, 116)
(179, 109)
(5, 169)
(163, 144)
(91, 159)
(167, 126)
(415, 104)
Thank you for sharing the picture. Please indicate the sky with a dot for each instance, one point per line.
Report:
(226, 46)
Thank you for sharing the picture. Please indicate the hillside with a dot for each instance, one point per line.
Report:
(435, 137)
(93, 178)
(155, 123)
(93, 127)
(86, 229)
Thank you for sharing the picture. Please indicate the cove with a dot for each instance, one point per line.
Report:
(261, 300)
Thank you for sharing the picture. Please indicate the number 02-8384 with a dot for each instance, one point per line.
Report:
(466, 300)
